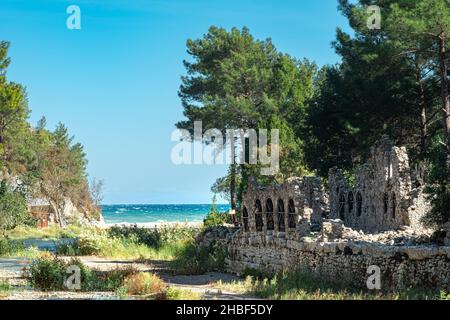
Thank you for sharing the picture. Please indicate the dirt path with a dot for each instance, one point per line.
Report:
(11, 270)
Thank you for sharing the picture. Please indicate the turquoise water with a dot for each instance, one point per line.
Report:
(134, 213)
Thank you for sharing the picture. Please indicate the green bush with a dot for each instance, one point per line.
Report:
(193, 259)
(8, 247)
(13, 208)
(49, 273)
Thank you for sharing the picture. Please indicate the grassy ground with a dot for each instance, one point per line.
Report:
(53, 232)
(5, 288)
(303, 285)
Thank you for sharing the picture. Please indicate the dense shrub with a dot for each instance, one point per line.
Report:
(13, 208)
(49, 273)
(8, 246)
(194, 259)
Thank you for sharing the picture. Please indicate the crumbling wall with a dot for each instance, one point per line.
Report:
(383, 196)
(285, 210)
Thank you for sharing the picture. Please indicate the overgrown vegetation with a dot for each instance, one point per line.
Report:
(301, 284)
(130, 242)
(193, 259)
(49, 273)
(13, 208)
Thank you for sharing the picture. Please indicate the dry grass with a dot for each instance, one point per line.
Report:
(145, 284)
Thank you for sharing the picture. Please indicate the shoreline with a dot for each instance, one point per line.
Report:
(154, 225)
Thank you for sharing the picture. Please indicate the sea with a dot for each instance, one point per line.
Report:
(145, 213)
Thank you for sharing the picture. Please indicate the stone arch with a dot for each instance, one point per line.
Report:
(269, 215)
(342, 207)
(281, 223)
(258, 216)
(350, 201)
(291, 214)
(245, 219)
(358, 204)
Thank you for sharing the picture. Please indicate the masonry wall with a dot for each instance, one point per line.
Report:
(401, 267)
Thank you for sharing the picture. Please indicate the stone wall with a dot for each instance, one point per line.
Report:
(423, 266)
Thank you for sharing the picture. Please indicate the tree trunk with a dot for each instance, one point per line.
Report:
(444, 87)
(57, 213)
(423, 117)
(233, 186)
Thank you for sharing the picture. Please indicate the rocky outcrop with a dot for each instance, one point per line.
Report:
(45, 213)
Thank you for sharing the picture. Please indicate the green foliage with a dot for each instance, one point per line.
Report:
(55, 232)
(4, 286)
(13, 208)
(193, 259)
(130, 242)
(49, 273)
(236, 81)
(9, 247)
(215, 218)
(438, 187)
(173, 293)
(154, 237)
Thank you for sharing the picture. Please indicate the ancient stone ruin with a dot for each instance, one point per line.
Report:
(386, 194)
(376, 220)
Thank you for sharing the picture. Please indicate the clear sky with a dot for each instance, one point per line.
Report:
(114, 83)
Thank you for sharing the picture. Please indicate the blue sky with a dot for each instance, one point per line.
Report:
(114, 82)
